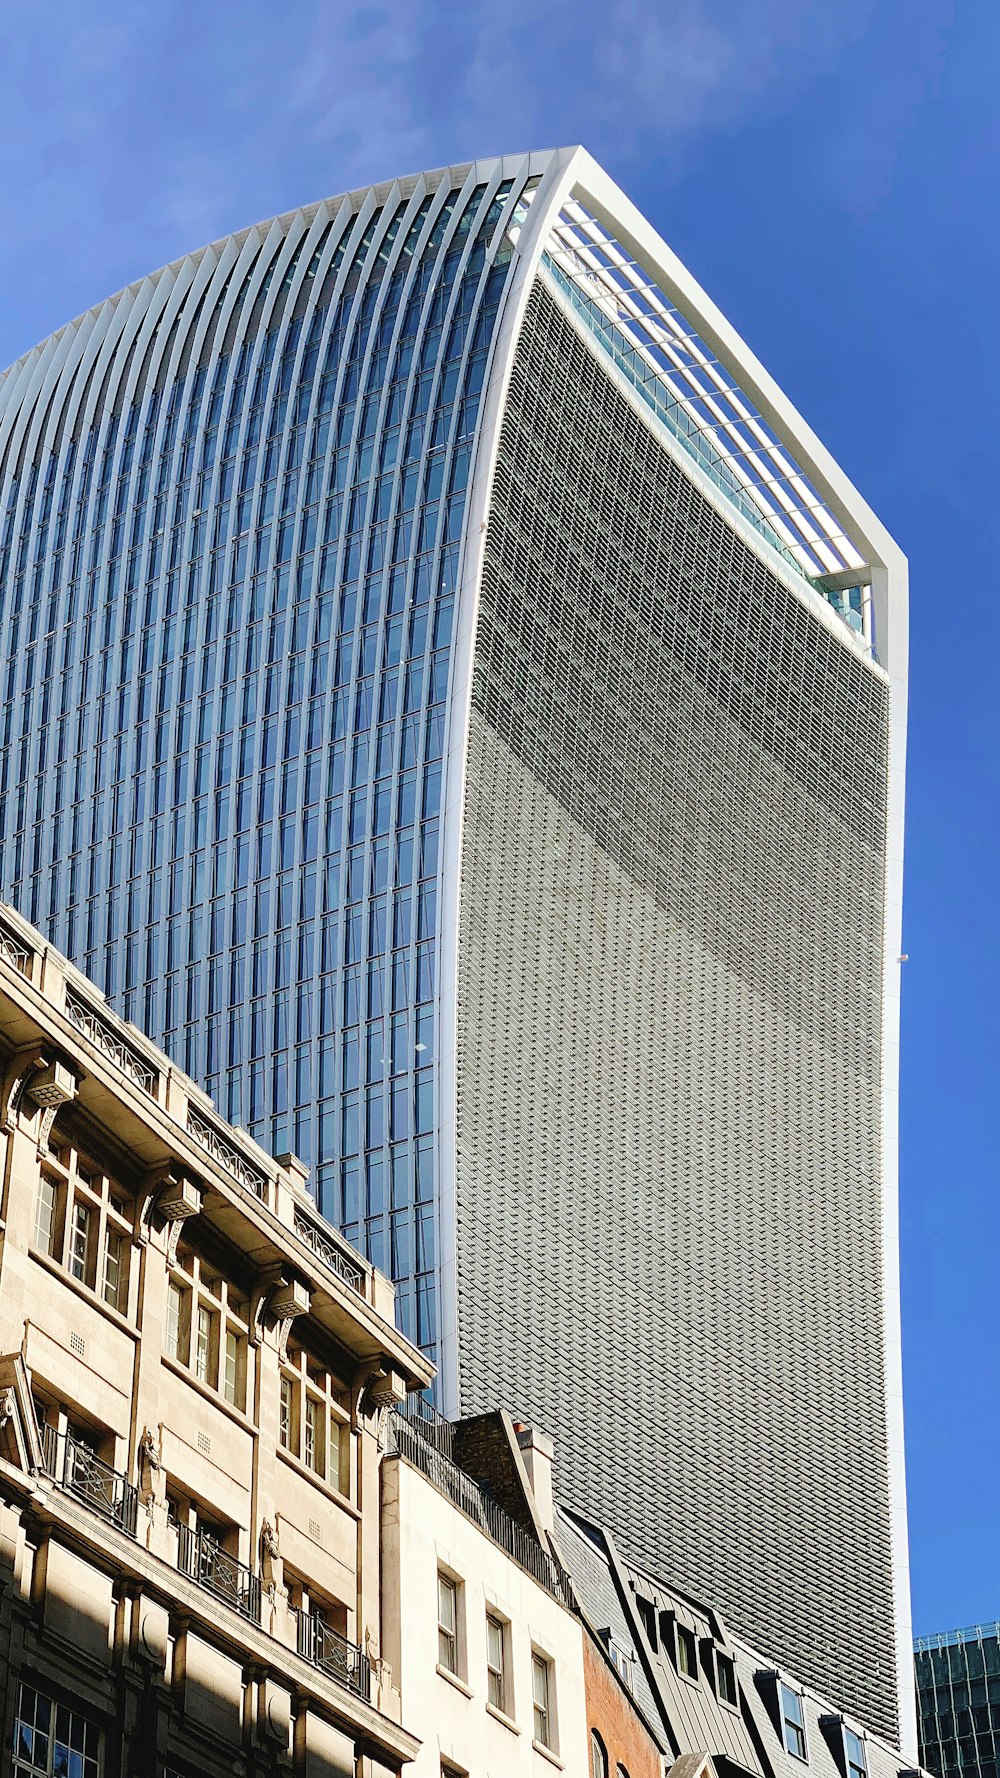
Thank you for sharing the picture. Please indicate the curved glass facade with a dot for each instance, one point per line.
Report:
(228, 561)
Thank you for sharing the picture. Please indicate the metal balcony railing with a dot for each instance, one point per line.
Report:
(420, 1435)
(332, 1653)
(202, 1557)
(88, 1478)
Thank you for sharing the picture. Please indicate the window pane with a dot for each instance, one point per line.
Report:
(176, 1330)
(45, 1215)
(495, 1663)
(285, 1414)
(115, 1271)
(204, 1365)
(231, 1380)
(80, 1236)
(447, 1623)
(540, 1698)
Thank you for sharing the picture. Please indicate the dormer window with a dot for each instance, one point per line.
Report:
(793, 1724)
(621, 1658)
(725, 1680)
(687, 1652)
(855, 1755)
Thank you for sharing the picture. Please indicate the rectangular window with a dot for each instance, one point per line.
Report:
(313, 1452)
(45, 1215)
(49, 1739)
(447, 1623)
(793, 1726)
(541, 1700)
(232, 1387)
(176, 1328)
(687, 1652)
(495, 1675)
(204, 1365)
(285, 1414)
(335, 1466)
(314, 1419)
(726, 1678)
(115, 1271)
(857, 1759)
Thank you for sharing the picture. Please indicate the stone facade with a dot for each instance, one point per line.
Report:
(194, 1376)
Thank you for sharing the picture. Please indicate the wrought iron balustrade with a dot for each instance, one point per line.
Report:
(78, 1469)
(332, 1653)
(201, 1556)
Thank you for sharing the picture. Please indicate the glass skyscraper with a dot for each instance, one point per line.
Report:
(454, 704)
(958, 1702)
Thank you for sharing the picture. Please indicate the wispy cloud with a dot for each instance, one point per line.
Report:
(129, 134)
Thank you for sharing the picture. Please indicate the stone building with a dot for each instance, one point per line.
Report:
(194, 1373)
(501, 1671)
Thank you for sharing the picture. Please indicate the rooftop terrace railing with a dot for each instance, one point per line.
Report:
(336, 1257)
(105, 1035)
(420, 1435)
(210, 1135)
(14, 950)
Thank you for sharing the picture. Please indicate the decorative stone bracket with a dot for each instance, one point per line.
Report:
(284, 1300)
(377, 1395)
(173, 1198)
(41, 1075)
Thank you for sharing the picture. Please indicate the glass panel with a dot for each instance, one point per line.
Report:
(231, 622)
(80, 1236)
(495, 1662)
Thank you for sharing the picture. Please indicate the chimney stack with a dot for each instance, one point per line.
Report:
(538, 1451)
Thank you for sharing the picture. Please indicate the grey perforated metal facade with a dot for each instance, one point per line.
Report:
(454, 703)
(669, 1035)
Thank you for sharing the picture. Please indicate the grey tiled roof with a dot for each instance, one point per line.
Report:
(694, 1718)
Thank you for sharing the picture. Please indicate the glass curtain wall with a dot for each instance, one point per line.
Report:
(227, 590)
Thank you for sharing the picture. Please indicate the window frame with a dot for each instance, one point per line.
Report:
(725, 1663)
(504, 1703)
(204, 1307)
(685, 1638)
(543, 1664)
(599, 1766)
(80, 1197)
(448, 1586)
(797, 1725)
(854, 1768)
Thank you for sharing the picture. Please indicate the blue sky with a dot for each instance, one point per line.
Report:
(829, 170)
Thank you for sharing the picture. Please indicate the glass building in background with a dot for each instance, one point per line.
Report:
(958, 1702)
(454, 704)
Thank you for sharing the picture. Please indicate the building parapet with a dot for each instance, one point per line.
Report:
(421, 1437)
